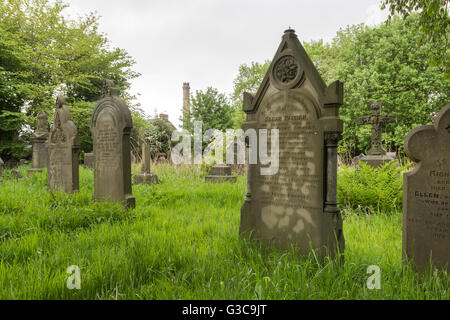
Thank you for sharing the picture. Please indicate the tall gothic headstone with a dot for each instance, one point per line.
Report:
(111, 127)
(376, 156)
(146, 177)
(426, 195)
(63, 151)
(296, 206)
(40, 149)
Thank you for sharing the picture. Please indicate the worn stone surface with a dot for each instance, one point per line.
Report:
(89, 160)
(63, 151)
(220, 173)
(377, 155)
(296, 206)
(426, 195)
(146, 177)
(111, 127)
(2, 164)
(40, 148)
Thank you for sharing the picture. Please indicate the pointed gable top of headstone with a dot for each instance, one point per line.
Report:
(292, 68)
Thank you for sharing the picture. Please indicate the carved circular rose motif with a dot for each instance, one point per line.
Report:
(286, 69)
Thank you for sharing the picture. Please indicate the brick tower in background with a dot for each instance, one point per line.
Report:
(186, 104)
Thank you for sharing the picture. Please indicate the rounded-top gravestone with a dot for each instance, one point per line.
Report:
(111, 127)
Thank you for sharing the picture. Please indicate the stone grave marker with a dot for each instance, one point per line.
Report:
(376, 156)
(39, 139)
(297, 205)
(1, 167)
(63, 151)
(146, 177)
(426, 195)
(111, 127)
(89, 160)
(220, 173)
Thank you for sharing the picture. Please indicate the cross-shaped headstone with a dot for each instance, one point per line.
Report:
(376, 120)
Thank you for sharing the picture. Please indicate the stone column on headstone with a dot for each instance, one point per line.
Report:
(111, 127)
(426, 195)
(40, 148)
(145, 177)
(295, 205)
(63, 151)
(376, 156)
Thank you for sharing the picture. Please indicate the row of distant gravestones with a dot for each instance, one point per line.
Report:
(296, 205)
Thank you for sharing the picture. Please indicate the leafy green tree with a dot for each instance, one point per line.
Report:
(158, 136)
(434, 22)
(383, 63)
(43, 54)
(249, 78)
(212, 108)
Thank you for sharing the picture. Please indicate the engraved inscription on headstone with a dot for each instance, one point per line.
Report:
(40, 149)
(110, 127)
(297, 205)
(426, 195)
(63, 151)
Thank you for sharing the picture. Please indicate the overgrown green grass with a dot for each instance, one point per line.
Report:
(181, 242)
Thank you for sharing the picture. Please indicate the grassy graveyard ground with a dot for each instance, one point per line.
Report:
(181, 242)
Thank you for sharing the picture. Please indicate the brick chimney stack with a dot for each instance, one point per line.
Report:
(186, 99)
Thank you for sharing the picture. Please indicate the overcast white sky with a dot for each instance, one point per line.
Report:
(203, 42)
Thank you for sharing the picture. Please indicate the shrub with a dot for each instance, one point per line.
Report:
(370, 189)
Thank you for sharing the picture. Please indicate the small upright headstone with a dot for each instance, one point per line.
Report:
(162, 158)
(111, 128)
(145, 177)
(376, 156)
(40, 149)
(220, 173)
(426, 195)
(294, 205)
(89, 160)
(63, 151)
(15, 174)
(1, 167)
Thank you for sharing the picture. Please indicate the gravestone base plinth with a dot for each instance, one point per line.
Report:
(220, 173)
(219, 179)
(376, 161)
(145, 178)
(33, 171)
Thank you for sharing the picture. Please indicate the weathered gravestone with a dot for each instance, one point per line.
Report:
(146, 177)
(40, 150)
(63, 151)
(426, 196)
(297, 205)
(1, 167)
(111, 127)
(220, 173)
(89, 160)
(376, 156)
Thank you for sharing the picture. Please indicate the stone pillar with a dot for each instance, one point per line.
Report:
(145, 177)
(40, 147)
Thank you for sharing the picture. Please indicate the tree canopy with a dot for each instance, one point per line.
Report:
(381, 63)
(43, 54)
